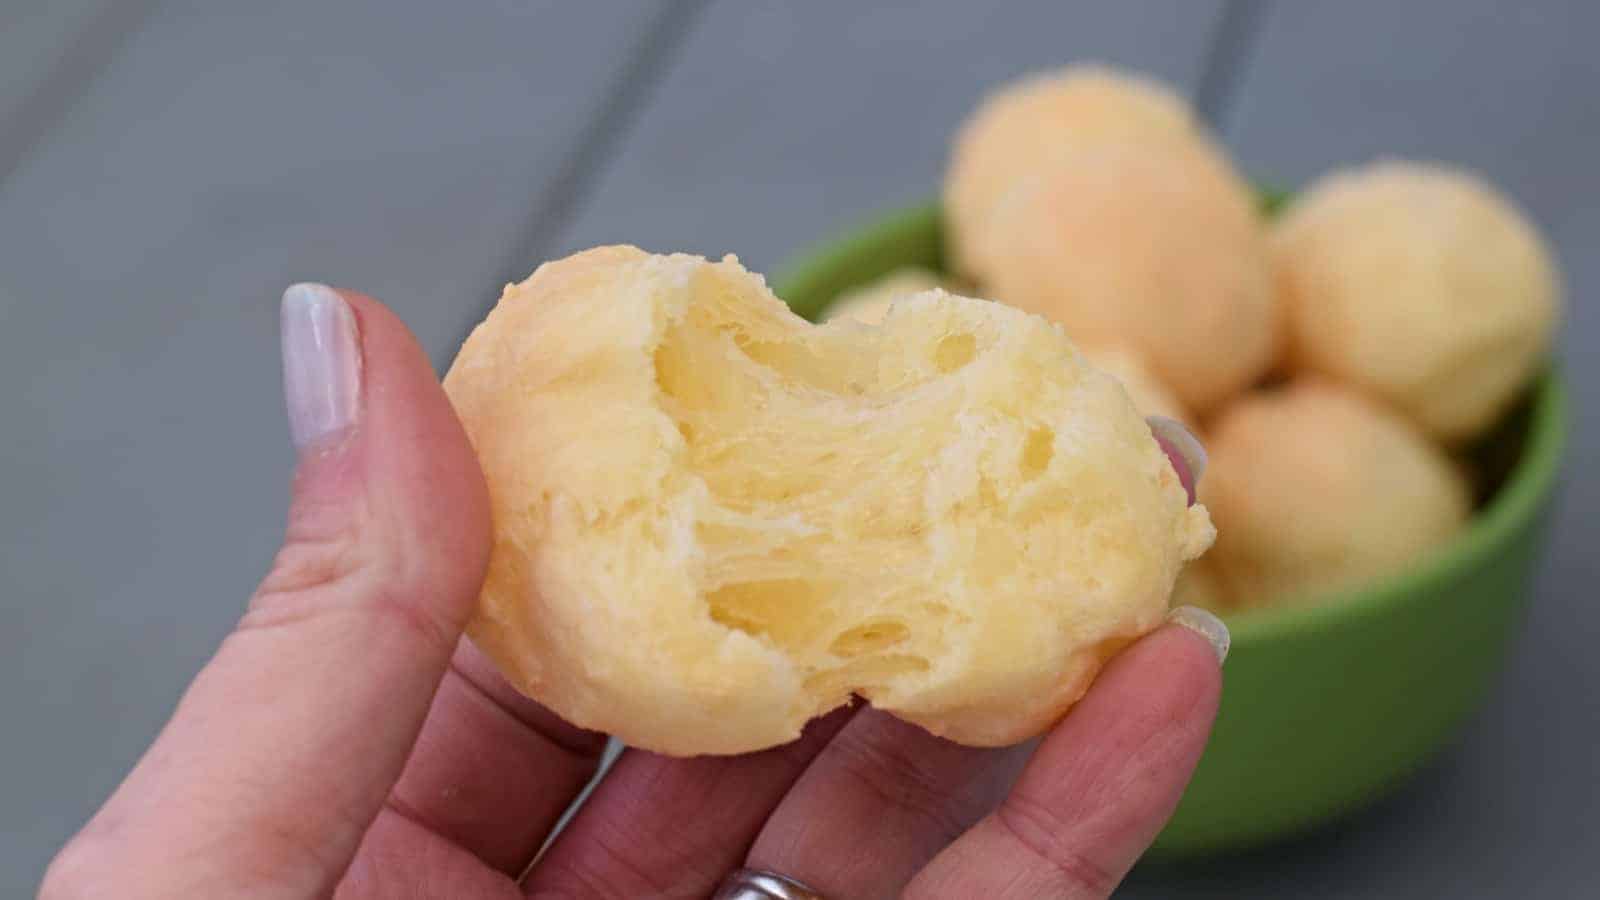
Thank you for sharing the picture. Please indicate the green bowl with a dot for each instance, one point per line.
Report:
(1328, 704)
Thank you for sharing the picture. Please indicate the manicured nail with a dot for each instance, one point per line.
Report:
(321, 363)
(1206, 625)
(1188, 455)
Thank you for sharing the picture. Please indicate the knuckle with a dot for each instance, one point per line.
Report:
(617, 860)
(902, 781)
(308, 561)
(1037, 829)
(339, 573)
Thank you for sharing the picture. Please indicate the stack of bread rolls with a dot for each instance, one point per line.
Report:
(1337, 358)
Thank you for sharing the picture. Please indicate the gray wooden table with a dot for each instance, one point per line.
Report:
(166, 168)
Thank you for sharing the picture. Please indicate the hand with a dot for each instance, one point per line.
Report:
(346, 739)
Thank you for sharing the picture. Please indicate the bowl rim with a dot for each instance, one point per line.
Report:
(1512, 509)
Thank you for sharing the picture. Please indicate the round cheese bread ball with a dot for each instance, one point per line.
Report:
(1145, 390)
(1155, 247)
(1315, 488)
(1199, 585)
(715, 521)
(1422, 284)
(1020, 129)
(870, 302)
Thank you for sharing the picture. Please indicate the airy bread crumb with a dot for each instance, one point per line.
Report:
(715, 521)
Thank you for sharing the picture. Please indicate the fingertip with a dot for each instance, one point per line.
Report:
(421, 468)
(1103, 782)
(1179, 663)
(1168, 680)
(1207, 625)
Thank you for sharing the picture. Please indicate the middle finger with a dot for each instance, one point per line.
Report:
(883, 799)
(662, 827)
(492, 771)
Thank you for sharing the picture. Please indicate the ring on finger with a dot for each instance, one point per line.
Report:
(758, 884)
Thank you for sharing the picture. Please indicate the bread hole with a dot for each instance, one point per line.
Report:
(1037, 450)
(863, 674)
(676, 375)
(938, 612)
(796, 362)
(954, 351)
(785, 611)
(988, 492)
(871, 637)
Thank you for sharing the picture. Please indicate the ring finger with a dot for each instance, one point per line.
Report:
(657, 826)
(879, 802)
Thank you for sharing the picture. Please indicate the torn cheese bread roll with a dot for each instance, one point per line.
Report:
(870, 302)
(715, 521)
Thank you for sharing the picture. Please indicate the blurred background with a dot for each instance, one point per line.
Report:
(166, 168)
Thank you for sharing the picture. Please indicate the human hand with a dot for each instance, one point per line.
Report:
(345, 738)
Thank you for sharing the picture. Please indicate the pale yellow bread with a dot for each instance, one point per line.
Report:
(1145, 390)
(715, 521)
(1200, 585)
(1422, 284)
(1031, 123)
(1315, 488)
(1155, 247)
(870, 302)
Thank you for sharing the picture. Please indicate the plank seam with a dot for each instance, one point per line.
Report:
(86, 56)
(1233, 48)
(578, 173)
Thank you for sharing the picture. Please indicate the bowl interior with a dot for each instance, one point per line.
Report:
(1517, 463)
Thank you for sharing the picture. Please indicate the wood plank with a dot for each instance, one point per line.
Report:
(402, 149)
(782, 121)
(49, 49)
(34, 34)
(1509, 89)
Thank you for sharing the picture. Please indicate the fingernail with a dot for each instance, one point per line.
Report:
(1206, 625)
(1188, 455)
(321, 363)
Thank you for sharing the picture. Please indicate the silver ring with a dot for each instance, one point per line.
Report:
(755, 884)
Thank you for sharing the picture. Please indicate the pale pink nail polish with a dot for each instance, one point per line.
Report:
(321, 363)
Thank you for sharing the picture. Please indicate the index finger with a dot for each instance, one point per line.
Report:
(1101, 785)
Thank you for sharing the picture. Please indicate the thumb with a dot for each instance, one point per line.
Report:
(284, 748)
